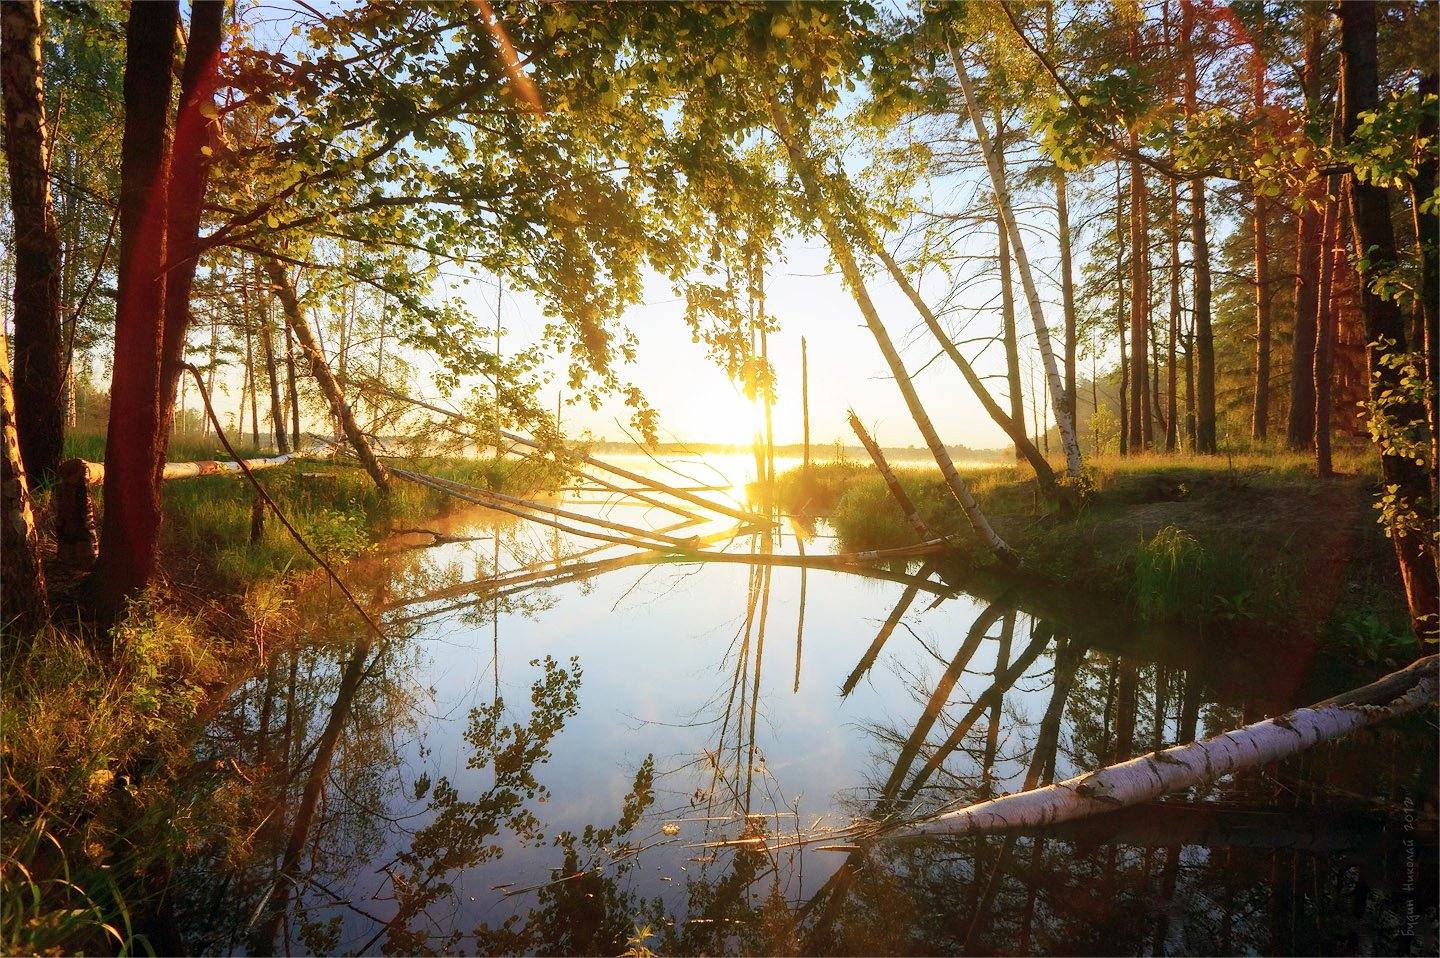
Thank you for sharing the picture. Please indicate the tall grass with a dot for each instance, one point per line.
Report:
(91, 727)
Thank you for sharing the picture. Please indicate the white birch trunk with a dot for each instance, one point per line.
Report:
(1058, 402)
(1151, 776)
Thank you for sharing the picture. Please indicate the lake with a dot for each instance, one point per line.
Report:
(567, 746)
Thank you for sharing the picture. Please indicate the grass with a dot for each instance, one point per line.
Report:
(1252, 542)
(101, 792)
(97, 731)
(336, 507)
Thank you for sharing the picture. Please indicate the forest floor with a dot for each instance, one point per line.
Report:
(1254, 542)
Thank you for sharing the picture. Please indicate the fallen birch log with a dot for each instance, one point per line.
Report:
(94, 472)
(75, 532)
(1149, 777)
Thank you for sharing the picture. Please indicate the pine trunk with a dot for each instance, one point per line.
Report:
(1067, 287)
(1374, 242)
(134, 443)
(1260, 227)
(1300, 422)
(39, 374)
(196, 129)
(1205, 432)
(23, 597)
(1139, 306)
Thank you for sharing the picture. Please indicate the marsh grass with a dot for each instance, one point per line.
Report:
(1230, 539)
(335, 506)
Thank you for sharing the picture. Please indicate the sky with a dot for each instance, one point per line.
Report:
(697, 402)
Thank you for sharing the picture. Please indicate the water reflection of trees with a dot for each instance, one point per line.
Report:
(348, 848)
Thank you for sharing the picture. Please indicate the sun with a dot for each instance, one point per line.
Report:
(722, 416)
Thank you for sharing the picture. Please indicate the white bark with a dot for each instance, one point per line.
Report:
(840, 249)
(1149, 777)
(1058, 401)
(95, 471)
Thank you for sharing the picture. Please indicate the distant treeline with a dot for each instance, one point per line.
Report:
(818, 451)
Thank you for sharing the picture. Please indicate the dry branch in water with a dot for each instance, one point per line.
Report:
(1149, 777)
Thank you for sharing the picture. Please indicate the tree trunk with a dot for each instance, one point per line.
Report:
(1374, 241)
(1067, 287)
(897, 492)
(1205, 435)
(292, 389)
(1300, 423)
(1139, 305)
(23, 598)
(1007, 310)
(277, 408)
(1060, 403)
(134, 444)
(1326, 317)
(320, 369)
(1172, 426)
(1260, 226)
(1014, 426)
(196, 130)
(840, 249)
(1427, 233)
(39, 375)
(1121, 308)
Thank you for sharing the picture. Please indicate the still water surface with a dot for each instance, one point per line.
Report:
(608, 748)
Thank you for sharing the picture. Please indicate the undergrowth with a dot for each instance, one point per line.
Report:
(1231, 540)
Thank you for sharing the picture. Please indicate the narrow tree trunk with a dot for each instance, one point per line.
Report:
(1139, 304)
(1067, 288)
(39, 375)
(1121, 308)
(1327, 310)
(196, 131)
(1172, 428)
(277, 408)
(1014, 426)
(24, 601)
(134, 443)
(1009, 337)
(292, 388)
(1374, 242)
(254, 380)
(1300, 423)
(1205, 435)
(1260, 227)
(1060, 403)
(1427, 234)
(320, 369)
(840, 249)
(897, 492)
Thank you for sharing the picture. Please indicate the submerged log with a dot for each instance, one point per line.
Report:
(489, 500)
(1149, 777)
